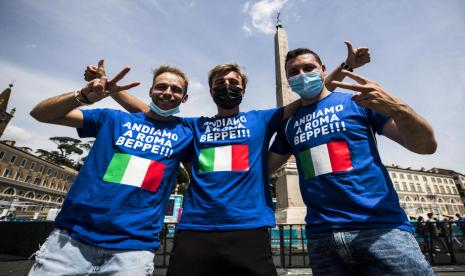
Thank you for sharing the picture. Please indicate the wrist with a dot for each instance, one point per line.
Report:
(80, 98)
(346, 66)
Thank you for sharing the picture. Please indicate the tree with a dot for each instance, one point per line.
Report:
(67, 147)
(182, 181)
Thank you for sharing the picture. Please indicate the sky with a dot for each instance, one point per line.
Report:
(417, 49)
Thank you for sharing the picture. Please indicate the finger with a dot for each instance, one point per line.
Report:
(99, 85)
(351, 86)
(100, 68)
(120, 75)
(91, 68)
(355, 77)
(126, 86)
(362, 50)
(350, 48)
(363, 60)
(88, 76)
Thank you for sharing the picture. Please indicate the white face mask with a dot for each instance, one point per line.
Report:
(164, 113)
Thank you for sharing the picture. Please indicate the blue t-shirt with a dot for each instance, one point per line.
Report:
(229, 189)
(342, 179)
(119, 198)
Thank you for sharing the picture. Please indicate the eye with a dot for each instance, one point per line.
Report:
(161, 87)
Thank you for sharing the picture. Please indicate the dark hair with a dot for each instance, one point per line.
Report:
(301, 51)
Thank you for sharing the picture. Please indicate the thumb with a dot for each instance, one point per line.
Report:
(350, 48)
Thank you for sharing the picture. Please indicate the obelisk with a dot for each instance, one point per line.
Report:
(290, 208)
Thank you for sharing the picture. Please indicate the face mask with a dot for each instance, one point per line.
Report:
(228, 96)
(307, 85)
(165, 113)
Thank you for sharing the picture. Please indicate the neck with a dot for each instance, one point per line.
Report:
(227, 112)
(157, 117)
(325, 92)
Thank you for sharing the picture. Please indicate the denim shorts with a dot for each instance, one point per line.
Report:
(366, 252)
(63, 255)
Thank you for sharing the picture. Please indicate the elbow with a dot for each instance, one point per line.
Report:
(39, 116)
(428, 148)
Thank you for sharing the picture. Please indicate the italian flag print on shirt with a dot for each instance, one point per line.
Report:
(224, 158)
(326, 158)
(135, 171)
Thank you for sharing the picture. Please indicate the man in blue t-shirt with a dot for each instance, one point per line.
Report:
(112, 215)
(355, 224)
(228, 206)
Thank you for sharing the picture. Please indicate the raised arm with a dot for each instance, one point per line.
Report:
(291, 108)
(355, 58)
(275, 161)
(128, 101)
(63, 109)
(405, 126)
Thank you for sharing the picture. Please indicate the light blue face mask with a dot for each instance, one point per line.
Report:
(307, 85)
(165, 113)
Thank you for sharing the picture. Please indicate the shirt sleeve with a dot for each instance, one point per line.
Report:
(273, 118)
(281, 144)
(376, 120)
(93, 121)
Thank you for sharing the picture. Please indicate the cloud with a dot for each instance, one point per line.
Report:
(246, 29)
(262, 14)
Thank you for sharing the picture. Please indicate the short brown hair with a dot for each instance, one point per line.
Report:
(224, 69)
(173, 70)
(301, 51)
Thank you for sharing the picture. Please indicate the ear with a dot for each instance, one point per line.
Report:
(184, 99)
(323, 71)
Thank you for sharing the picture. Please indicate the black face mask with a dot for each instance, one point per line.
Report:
(228, 96)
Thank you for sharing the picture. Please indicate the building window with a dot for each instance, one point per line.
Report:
(442, 189)
(454, 190)
(33, 165)
(436, 188)
(419, 189)
(404, 186)
(425, 179)
(451, 181)
(56, 173)
(2, 154)
(401, 176)
(23, 162)
(6, 172)
(448, 190)
(37, 181)
(68, 177)
(41, 168)
(412, 188)
(49, 171)
(17, 176)
(13, 159)
(428, 189)
(433, 179)
(439, 180)
(45, 182)
(397, 186)
(415, 177)
(28, 179)
(409, 177)
(394, 175)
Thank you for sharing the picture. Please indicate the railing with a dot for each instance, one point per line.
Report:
(442, 243)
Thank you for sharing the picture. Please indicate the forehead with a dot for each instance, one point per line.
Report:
(227, 76)
(169, 78)
(301, 60)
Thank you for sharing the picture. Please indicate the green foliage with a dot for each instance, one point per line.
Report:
(67, 147)
(182, 181)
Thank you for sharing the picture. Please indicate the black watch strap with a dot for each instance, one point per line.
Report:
(346, 66)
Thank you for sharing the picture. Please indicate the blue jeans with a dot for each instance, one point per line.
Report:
(366, 252)
(62, 255)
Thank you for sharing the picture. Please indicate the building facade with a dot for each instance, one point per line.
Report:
(421, 192)
(29, 185)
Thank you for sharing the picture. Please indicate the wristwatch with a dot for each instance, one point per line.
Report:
(347, 67)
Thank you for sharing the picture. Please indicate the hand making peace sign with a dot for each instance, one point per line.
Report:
(370, 94)
(99, 87)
